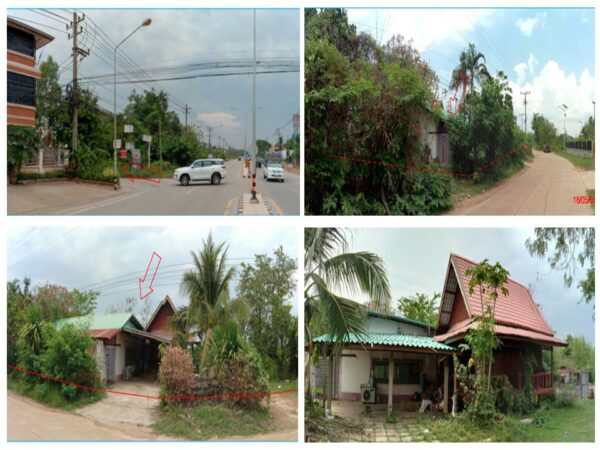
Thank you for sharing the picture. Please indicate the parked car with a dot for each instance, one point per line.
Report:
(212, 170)
(546, 148)
(274, 171)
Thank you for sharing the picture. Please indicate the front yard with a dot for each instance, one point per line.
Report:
(574, 424)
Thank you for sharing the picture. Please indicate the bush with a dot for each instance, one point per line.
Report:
(41, 176)
(243, 375)
(93, 164)
(66, 357)
(22, 143)
(565, 397)
(176, 373)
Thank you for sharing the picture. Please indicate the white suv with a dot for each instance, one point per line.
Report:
(274, 171)
(212, 170)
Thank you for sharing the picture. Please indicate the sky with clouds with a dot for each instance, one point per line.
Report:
(549, 52)
(185, 36)
(112, 259)
(417, 259)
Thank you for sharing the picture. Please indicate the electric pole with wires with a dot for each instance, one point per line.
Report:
(76, 52)
(525, 94)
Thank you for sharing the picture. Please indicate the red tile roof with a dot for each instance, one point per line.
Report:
(516, 313)
(104, 334)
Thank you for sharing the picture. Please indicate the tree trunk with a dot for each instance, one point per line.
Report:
(205, 347)
(329, 386)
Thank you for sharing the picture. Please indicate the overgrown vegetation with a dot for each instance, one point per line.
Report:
(176, 375)
(368, 108)
(36, 344)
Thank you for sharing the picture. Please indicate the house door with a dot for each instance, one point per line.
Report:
(110, 358)
(443, 150)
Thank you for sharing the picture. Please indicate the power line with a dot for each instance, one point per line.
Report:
(43, 247)
(39, 24)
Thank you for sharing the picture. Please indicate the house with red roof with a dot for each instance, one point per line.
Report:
(123, 346)
(520, 325)
(398, 360)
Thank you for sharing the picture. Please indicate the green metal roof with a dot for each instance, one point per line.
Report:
(102, 321)
(391, 339)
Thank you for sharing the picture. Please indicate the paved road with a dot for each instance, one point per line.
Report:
(145, 198)
(545, 187)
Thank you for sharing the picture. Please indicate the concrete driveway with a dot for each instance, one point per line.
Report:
(28, 420)
(545, 187)
(125, 409)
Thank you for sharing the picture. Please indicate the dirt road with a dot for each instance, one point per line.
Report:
(545, 187)
(31, 421)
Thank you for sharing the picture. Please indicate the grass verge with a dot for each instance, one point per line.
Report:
(576, 160)
(210, 421)
(574, 424)
(50, 395)
(282, 385)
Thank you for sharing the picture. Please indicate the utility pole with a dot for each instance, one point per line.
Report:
(209, 131)
(186, 110)
(564, 108)
(76, 52)
(525, 94)
(160, 140)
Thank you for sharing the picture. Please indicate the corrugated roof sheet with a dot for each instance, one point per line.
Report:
(502, 330)
(392, 339)
(398, 318)
(517, 309)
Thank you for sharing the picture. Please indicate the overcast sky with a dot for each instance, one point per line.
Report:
(112, 259)
(417, 260)
(186, 36)
(549, 52)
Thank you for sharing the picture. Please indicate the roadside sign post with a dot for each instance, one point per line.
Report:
(148, 139)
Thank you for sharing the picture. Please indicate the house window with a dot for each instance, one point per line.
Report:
(20, 89)
(405, 372)
(20, 41)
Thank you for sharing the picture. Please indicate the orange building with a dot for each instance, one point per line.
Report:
(22, 42)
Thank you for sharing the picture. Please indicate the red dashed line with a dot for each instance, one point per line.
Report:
(426, 168)
(154, 397)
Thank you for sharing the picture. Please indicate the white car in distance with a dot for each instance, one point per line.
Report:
(212, 170)
(274, 171)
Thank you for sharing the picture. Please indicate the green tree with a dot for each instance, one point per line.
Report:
(263, 147)
(22, 144)
(267, 285)
(579, 354)
(420, 307)
(51, 105)
(566, 250)
(588, 130)
(328, 266)
(207, 287)
(544, 131)
(472, 65)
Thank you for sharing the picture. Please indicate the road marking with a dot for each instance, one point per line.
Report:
(103, 203)
(190, 191)
(228, 207)
(274, 205)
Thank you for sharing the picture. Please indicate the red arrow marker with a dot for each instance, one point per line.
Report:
(155, 260)
(133, 177)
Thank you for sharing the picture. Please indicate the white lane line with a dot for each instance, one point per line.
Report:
(190, 191)
(102, 204)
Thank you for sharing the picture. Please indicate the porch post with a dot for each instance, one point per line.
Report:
(446, 373)
(391, 383)
(455, 392)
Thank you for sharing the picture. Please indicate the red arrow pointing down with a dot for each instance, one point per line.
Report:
(148, 290)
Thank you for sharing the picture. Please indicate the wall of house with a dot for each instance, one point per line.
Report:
(459, 310)
(123, 342)
(355, 371)
(379, 325)
(509, 359)
(161, 318)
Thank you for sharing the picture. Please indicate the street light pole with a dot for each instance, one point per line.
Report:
(254, 200)
(145, 23)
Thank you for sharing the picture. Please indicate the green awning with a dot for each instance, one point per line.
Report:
(392, 340)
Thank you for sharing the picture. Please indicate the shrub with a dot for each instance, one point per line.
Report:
(66, 357)
(176, 373)
(565, 397)
(243, 375)
(22, 143)
(41, 176)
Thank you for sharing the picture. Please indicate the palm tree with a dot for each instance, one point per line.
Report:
(329, 266)
(472, 65)
(207, 286)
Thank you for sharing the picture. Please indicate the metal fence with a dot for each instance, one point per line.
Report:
(582, 148)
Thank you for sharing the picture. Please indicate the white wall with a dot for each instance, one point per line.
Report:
(354, 371)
